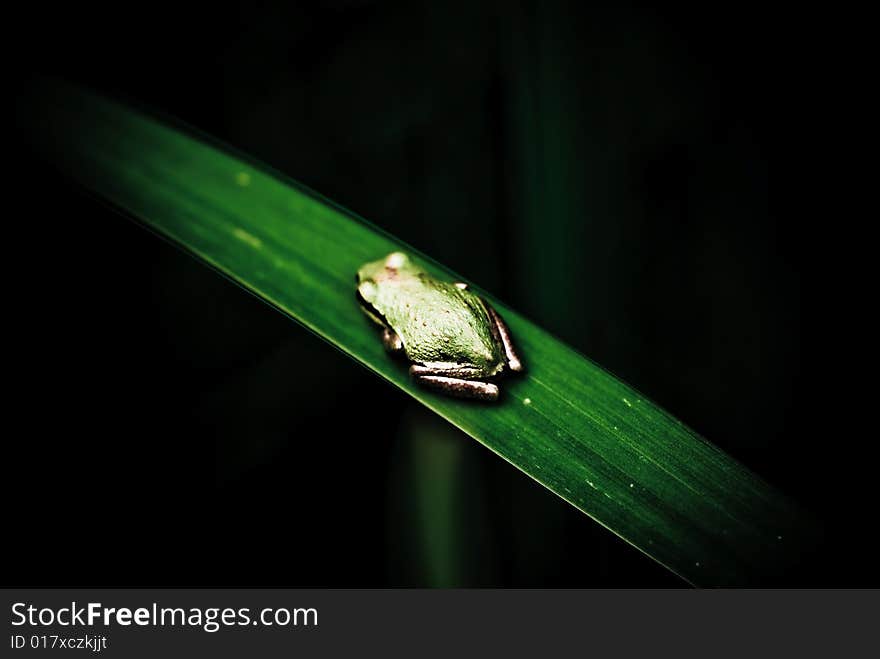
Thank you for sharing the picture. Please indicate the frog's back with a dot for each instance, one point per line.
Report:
(441, 323)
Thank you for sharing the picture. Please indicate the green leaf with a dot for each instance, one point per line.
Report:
(570, 425)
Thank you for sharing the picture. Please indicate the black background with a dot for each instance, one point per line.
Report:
(629, 178)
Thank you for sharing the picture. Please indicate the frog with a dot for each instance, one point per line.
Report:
(455, 341)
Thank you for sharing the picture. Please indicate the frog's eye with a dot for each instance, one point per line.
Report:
(395, 260)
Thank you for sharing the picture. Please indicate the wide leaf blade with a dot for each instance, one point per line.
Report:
(567, 423)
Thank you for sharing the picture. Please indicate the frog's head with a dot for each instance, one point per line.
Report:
(375, 273)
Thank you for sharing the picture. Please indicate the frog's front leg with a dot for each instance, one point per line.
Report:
(454, 386)
(391, 341)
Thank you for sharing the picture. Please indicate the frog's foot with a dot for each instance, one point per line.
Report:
(392, 341)
(458, 387)
(514, 363)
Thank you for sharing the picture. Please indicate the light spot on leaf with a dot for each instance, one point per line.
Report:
(248, 238)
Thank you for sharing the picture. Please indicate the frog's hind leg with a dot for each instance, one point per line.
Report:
(450, 379)
(446, 369)
(513, 361)
(391, 341)
(458, 387)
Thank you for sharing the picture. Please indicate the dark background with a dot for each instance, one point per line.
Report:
(606, 169)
